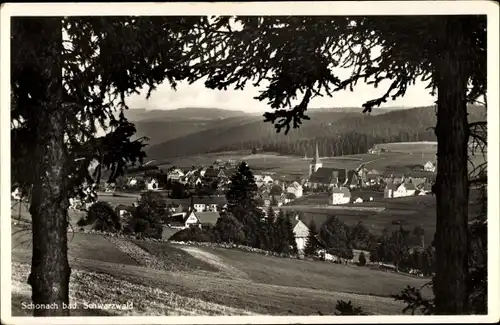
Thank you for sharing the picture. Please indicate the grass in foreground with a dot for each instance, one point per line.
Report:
(263, 285)
(315, 274)
(87, 288)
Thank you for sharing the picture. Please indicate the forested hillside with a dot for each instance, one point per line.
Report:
(337, 133)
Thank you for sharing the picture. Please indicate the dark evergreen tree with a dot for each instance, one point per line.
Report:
(269, 230)
(241, 201)
(398, 246)
(290, 235)
(455, 69)
(281, 235)
(360, 237)
(334, 235)
(362, 259)
(150, 213)
(312, 243)
(419, 233)
(243, 189)
(229, 230)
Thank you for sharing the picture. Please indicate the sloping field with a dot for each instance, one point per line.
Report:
(422, 146)
(409, 211)
(205, 281)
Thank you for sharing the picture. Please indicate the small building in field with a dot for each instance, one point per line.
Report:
(405, 189)
(152, 184)
(175, 174)
(429, 167)
(339, 195)
(389, 190)
(394, 190)
(199, 207)
(358, 200)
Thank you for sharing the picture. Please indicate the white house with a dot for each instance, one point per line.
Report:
(267, 179)
(339, 195)
(393, 190)
(405, 189)
(389, 190)
(358, 200)
(301, 231)
(199, 207)
(296, 189)
(429, 167)
(175, 174)
(213, 207)
(132, 181)
(191, 220)
(152, 184)
(202, 219)
(202, 171)
(16, 194)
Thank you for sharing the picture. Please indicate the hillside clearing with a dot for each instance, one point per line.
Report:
(89, 288)
(262, 285)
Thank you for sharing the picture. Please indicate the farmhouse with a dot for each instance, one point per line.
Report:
(175, 174)
(175, 208)
(295, 189)
(339, 195)
(300, 231)
(152, 184)
(264, 179)
(429, 167)
(124, 211)
(202, 219)
(132, 181)
(199, 207)
(405, 189)
(393, 190)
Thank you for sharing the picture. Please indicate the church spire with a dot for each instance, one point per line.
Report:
(315, 163)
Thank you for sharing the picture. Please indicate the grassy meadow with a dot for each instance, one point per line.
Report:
(404, 160)
(409, 211)
(184, 280)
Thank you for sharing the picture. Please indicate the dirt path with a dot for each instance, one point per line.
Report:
(215, 261)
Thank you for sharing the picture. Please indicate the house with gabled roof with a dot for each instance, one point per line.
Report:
(339, 195)
(389, 190)
(205, 219)
(151, 184)
(429, 167)
(300, 231)
(393, 190)
(405, 189)
(175, 174)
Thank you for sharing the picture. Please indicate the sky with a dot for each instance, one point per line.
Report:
(196, 95)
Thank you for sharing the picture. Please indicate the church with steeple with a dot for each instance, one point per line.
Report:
(315, 163)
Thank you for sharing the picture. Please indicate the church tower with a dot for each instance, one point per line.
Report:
(315, 163)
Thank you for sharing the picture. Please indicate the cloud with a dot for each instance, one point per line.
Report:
(197, 95)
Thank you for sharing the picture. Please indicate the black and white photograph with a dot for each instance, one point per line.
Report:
(255, 160)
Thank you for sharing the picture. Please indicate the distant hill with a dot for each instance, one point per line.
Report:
(337, 132)
(184, 114)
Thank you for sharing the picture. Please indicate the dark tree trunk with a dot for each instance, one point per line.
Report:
(451, 187)
(50, 270)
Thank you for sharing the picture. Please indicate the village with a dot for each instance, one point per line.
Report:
(196, 196)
